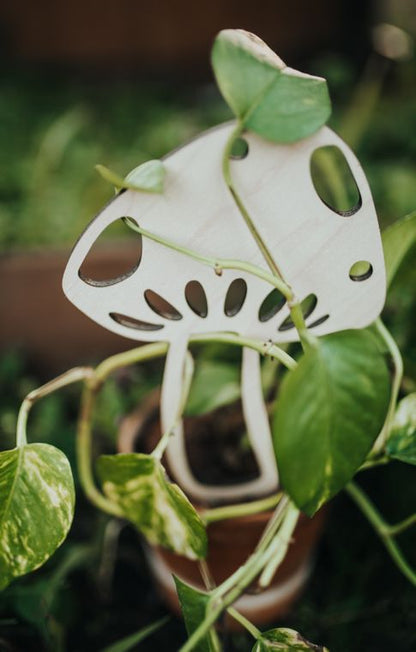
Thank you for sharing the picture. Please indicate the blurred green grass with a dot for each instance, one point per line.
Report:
(53, 130)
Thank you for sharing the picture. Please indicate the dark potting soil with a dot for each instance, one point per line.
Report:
(217, 446)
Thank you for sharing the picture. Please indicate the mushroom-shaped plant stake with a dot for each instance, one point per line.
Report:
(331, 258)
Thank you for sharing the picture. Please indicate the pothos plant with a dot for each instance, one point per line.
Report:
(335, 415)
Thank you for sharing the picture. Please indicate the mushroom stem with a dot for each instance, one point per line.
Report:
(257, 420)
(172, 404)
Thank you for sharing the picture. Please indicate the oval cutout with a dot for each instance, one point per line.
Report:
(196, 298)
(160, 306)
(131, 322)
(333, 180)
(308, 305)
(271, 305)
(100, 271)
(361, 270)
(239, 149)
(235, 297)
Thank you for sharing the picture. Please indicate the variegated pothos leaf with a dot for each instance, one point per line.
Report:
(285, 640)
(36, 507)
(158, 508)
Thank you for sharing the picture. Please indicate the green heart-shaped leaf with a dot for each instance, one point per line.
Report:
(328, 414)
(285, 640)
(194, 605)
(36, 507)
(158, 508)
(276, 102)
(397, 241)
(401, 443)
(148, 177)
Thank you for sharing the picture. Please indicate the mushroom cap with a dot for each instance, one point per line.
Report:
(314, 246)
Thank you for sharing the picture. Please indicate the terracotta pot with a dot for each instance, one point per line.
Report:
(230, 543)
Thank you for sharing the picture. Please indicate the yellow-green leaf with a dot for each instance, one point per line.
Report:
(157, 507)
(36, 507)
(148, 177)
(285, 640)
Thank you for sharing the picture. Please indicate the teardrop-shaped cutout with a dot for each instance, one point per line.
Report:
(271, 305)
(308, 305)
(319, 321)
(196, 298)
(333, 180)
(101, 268)
(239, 149)
(160, 306)
(361, 270)
(235, 297)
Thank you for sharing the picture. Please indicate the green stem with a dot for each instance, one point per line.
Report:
(397, 379)
(293, 303)
(265, 540)
(382, 529)
(394, 530)
(71, 376)
(158, 349)
(218, 264)
(377, 460)
(273, 524)
(138, 354)
(84, 457)
(280, 545)
(226, 170)
(243, 509)
(230, 590)
(264, 348)
(256, 633)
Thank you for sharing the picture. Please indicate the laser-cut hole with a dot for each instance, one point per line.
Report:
(196, 298)
(333, 180)
(98, 271)
(271, 305)
(160, 306)
(361, 270)
(239, 149)
(319, 321)
(235, 297)
(131, 322)
(307, 306)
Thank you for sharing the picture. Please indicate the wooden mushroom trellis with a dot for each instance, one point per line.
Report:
(170, 296)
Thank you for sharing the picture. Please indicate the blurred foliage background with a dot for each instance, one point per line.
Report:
(60, 114)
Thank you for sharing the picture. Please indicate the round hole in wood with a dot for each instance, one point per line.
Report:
(361, 270)
(239, 149)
